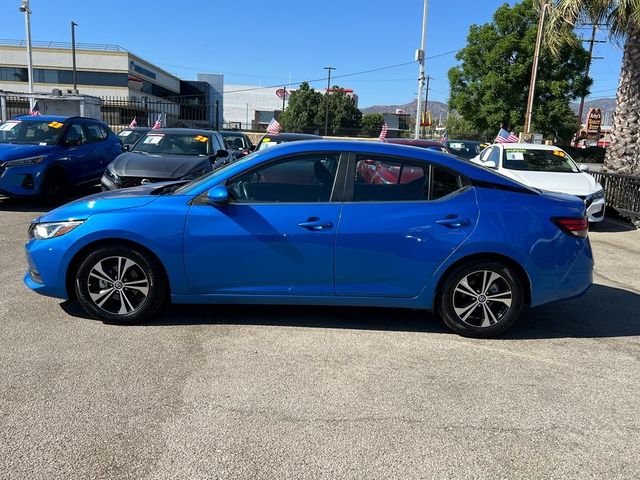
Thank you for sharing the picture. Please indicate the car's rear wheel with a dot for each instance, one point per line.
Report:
(118, 284)
(481, 299)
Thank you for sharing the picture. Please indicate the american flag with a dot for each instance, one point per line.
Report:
(274, 127)
(506, 137)
(134, 123)
(444, 137)
(158, 124)
(35, 110)
(383, 133)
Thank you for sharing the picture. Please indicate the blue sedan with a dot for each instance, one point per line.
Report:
(320, 223)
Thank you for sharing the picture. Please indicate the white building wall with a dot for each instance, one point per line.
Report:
(242, 101)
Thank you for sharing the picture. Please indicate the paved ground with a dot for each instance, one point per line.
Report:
(248, 392)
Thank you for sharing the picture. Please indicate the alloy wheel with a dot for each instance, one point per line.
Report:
(118, 285)
(482, 298)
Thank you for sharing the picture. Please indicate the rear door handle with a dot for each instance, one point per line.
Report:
(454, 222)
(316, 224)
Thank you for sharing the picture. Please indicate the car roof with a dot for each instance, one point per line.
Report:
(53, 118)
(292, 136)
(464, 141)
(415, 141)
(136, 129)
(529, 146)
(225, 133)
(184, 131)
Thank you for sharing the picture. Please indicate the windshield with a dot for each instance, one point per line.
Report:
(129, 137)
(234, 142)
(31, 132)
(538, 160)
(173, 144)
(466, 150)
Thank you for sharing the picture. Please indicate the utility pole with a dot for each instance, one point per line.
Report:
(326, 102)
(420, 59)
(73, 54)
(534, 69)
(426, 102)
(592, 41)
(24, 8)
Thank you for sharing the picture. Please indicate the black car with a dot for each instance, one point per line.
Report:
(465, 149)
(270, 140)
(167, 154)
(130, 135)
(237, 142)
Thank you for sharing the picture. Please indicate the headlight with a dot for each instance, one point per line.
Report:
(41, 231)
(24, 161)
(599, 194)
(194, 175)
(111, 175)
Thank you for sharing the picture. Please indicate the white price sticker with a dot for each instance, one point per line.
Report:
(125, 133)
(514, 155)
(153, 139)
(8, 126)
(455, 146)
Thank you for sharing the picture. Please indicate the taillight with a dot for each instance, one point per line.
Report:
(576, 227)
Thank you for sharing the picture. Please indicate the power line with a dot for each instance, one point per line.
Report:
(341, 76)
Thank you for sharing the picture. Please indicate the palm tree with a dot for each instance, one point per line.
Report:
(622, 17)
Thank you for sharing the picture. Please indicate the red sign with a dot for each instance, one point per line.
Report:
(282, 92)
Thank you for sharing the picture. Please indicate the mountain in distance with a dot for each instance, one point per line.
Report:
(436, 108)
(607, 105)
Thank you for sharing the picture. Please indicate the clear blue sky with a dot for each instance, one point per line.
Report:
(264, 43)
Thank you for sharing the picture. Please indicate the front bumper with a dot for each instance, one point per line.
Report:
(23, 181)
(45, 266)
(595, 210)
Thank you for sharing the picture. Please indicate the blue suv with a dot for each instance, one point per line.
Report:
(44, 156)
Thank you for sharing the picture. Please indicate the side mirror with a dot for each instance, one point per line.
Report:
(221, 153)
(490, 164)
(126, 148)
(584, 168)
(218, 195)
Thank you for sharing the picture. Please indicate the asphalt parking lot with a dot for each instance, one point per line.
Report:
(273, 392)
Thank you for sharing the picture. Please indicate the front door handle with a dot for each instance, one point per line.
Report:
(454, 222)
(316, 224)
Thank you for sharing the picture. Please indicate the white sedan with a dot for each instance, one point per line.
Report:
(545, 167)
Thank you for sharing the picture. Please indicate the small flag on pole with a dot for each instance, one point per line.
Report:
(274, 127)
(134, 123)
(35, 110)
(383, 133)
(159, 122)
(444, 138)
(505, 136)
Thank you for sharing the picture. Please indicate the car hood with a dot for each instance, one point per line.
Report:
(571, 183)
(14, 151)
(102, 202)
(133, 164)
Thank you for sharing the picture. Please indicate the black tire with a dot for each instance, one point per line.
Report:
(54, 187)
(490, 317)
(124, 304)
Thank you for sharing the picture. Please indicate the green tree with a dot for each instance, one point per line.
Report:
(622, 17)
(344, 117)
(458, 127)
(489, 88)
(302, 110)
(372, 124)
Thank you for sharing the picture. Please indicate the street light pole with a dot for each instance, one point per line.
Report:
(24, 7)
(326, 102)
(420, 59)
(534, 70)
(73, 54)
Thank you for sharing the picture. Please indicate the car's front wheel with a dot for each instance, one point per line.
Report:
(118, 284)
(481, 299)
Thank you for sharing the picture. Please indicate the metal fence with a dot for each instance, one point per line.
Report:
(622, 192)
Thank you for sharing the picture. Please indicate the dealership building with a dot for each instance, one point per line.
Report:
(119, 77)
